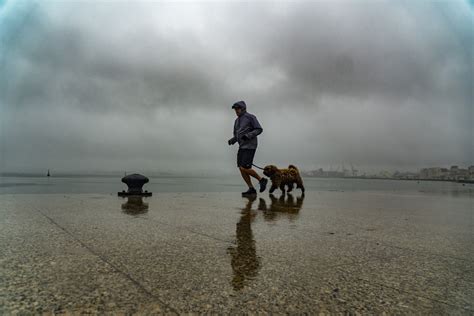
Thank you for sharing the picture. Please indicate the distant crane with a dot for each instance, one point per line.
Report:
(354, 171)
(345, 171)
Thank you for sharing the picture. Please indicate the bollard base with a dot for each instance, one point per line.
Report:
(123, 193)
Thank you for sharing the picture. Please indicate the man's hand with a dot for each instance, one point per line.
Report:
(232, 141)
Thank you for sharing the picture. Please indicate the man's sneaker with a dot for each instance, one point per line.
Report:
(263, 184)
(249, 192)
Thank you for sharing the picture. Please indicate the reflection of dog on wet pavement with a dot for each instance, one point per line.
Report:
(278, 206)
(284, 177)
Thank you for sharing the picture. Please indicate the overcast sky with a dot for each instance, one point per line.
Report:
(147, 86)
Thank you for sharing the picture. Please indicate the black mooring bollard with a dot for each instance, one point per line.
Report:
(135, 183)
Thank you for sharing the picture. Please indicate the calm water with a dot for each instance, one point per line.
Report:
(111, 185)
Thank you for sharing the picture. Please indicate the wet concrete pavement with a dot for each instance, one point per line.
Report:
(330, 252)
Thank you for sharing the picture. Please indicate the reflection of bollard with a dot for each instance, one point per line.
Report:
(135, 206)
(135, 183)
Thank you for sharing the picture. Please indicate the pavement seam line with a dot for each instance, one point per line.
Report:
(126, 275)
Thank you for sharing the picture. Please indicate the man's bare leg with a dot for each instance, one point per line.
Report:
(253, 173)
(246, 177)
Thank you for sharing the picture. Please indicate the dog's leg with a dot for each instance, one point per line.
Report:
(290, 186)
(272, 188)
(299, 184)
(276, 182)
(281, 199)
(262, 205)
(302, 187)
(273, 198)
(282, 188)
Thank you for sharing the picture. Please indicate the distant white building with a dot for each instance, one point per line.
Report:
(471, 172)
(441, 173)
(456, 173)
(431, 173)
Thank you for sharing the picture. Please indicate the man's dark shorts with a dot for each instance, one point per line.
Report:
(245, 157)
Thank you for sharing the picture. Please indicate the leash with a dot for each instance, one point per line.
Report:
(257, 167)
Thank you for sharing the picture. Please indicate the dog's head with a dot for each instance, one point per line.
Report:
(270, 170)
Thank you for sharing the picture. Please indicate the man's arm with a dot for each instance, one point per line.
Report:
(233, 140)
(257, 128)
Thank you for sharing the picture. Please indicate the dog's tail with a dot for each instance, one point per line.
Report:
(293, 167)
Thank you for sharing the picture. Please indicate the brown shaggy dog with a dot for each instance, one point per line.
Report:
(284, 177)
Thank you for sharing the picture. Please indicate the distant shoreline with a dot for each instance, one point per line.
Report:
(397, 179)
(98, 175)
(169, 175)
(73, 175)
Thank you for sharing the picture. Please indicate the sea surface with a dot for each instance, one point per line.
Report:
(111, 185)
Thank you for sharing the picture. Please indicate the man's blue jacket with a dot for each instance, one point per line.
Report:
(246, 129)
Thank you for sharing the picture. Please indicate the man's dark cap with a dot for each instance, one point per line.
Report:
(240, 104)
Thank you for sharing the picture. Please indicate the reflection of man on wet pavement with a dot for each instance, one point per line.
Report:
(246, 129)
(244, 260)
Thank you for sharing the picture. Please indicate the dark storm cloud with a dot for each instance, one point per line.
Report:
(363, 49)
(65, 63)
(374, 83)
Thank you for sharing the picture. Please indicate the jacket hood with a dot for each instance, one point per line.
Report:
(240, 104)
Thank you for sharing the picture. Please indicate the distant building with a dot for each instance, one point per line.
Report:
(456, 173)
(430, 173)
(453, 173)
(405, 175)
(324, 174)
(435, 173)
(384, 174)
(471, 172)
(444, 173)
(463, 174)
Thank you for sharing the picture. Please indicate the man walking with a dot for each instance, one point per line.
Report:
(246, 129)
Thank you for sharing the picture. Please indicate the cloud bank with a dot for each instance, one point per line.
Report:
(113, 86)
